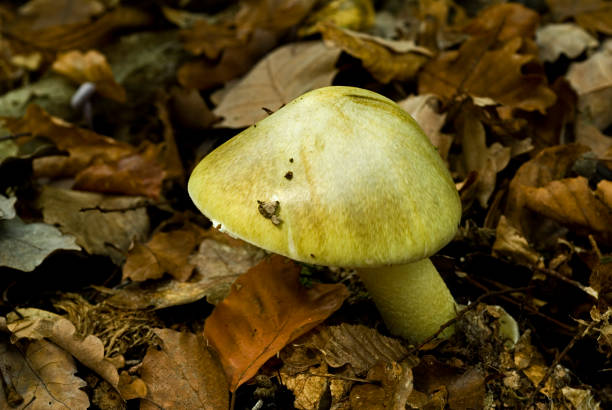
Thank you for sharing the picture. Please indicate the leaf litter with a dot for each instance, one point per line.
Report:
(515, 99)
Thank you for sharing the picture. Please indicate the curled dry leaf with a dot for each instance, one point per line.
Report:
(281, 76)
(379, 59)
(43, 375)
(183, 374)
(103, 225)
(38, 324)
(90, 67)
(566, 38)
(266, 309)
(479, 71)
(571, 202)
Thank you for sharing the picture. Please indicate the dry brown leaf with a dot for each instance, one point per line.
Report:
(504, 21)
(425, 109)
(571, 202)
(479, 71)
(308, 388)
(165, 252)
(381, 61)
(90, 67)
(351, 14)
(38, 324)
(219, 261)
(566, 38)
(210, 39)
(593, 15)
(77, 35)
(43, 376)
(395, 386)
(273, 15)
(235, 61)
(266, 309)
(511, 243)
(357, 345)
(189, 110)
(592, 80)
(183, 374)
(281, 76)
(588, 135)
(103, 225)
(82, 144)
(46, 13)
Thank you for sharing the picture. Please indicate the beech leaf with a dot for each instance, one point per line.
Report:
(43, 375)
(283, 75)
(266, 309)
(183, 374)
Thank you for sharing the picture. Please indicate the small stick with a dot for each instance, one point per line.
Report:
(589, 291)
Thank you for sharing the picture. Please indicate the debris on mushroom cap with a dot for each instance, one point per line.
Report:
(269, 210)
(372, 189)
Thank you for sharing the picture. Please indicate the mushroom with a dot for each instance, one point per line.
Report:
(367, 191)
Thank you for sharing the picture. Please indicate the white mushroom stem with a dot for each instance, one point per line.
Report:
(413, 300)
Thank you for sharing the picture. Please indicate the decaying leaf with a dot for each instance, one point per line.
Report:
(480, 72)
(43, 375)
(103, 225)
(24, 246)
(571, 202)
(566, 38)
(395, 386)
(37, 324)
(281, 76)
(90, 67)
(593, 15)
(266, 309)
(384, 63)
(183, 374)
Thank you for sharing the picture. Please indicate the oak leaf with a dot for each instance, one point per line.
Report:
(183, 374)
(383, 62)
(479, 71)
(90, 67)
(266, 309)
(281, 76)
(42, 375)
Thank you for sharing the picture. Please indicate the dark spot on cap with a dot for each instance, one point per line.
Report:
(289, 175)
(290, 159)
(312, 255)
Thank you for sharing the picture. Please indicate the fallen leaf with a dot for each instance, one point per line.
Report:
(37, 324)
(565, 38)
(189, 110)
(571, 202)
(504, 21)
(183, 374)
(380, 60)
(357, 345)
(581, 399)
(281, 76)
(395, 386)
(210, 39)
(266, 309)
(43, 375)
(479, 71)
(426, 110)
(90, 67)
(511, 243)
(168, 153)
(593, 15)
(350, 14)
(24, 246)
(46, 13)
(273, 15)
(309, 389)
(103, 225)
(592, 80)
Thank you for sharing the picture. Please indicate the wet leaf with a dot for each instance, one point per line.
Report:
(183, 374)
(281, 76)
(384, 63)
(89, 350)
(43, 375)
(90, 67)
(479, 71)
(103, 225)
(266, 309)
(568, 39)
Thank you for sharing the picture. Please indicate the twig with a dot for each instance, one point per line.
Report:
(579, 335)
(589, 291)
(463, 311)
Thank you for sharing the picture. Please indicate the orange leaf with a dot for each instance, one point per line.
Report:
(90, 67)
(266, 309)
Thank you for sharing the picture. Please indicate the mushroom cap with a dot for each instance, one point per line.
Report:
(358, 183)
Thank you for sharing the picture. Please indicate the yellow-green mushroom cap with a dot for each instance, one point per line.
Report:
(358, 183)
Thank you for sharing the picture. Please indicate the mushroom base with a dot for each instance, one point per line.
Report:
(412, 299)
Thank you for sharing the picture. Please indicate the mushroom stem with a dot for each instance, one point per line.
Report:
(413, 300)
